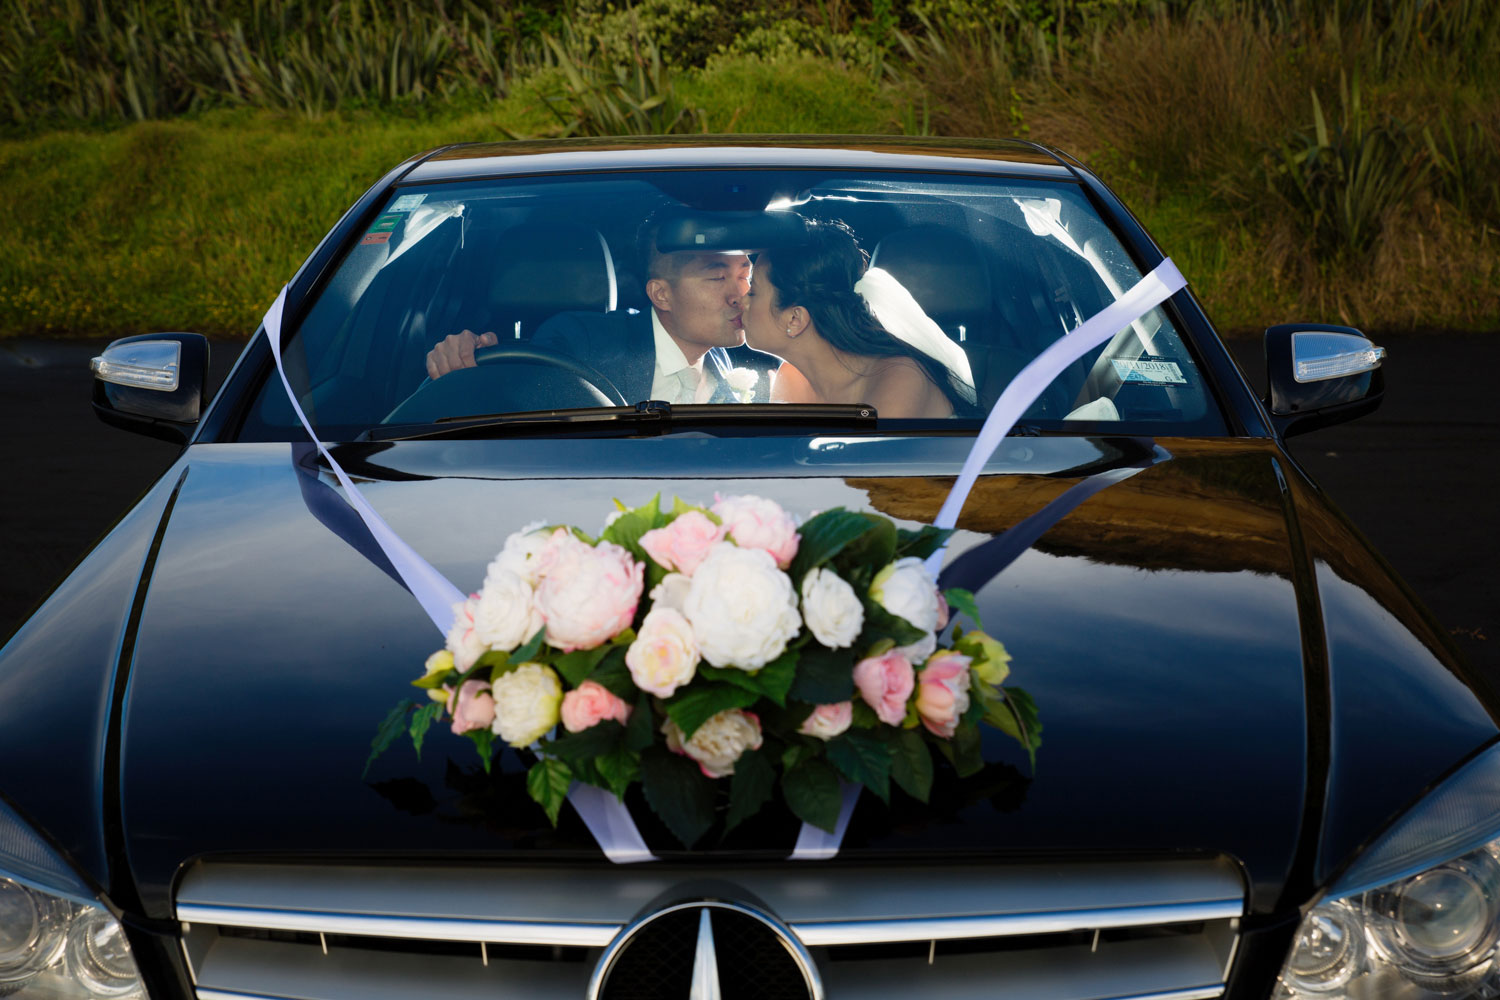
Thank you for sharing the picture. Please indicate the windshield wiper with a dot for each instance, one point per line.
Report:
(648, 417)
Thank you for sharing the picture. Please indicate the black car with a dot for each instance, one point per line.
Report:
(1262, 770)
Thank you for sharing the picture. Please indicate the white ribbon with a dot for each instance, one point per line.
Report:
(1023, 390)
(606, 816)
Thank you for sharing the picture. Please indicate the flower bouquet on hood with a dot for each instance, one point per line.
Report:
(721, 656)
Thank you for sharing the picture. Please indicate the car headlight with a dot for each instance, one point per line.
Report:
(1417, 915)
(56, 941)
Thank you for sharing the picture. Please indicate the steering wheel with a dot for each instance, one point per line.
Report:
(540, 355)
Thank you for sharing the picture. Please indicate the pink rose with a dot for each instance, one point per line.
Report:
(664, 655)
(588, 593)
(681, 545)
(828, 721)
(473, 707)
(943, 692)
(885, 683)
(756, 523)
(943, 611)
(590, 704)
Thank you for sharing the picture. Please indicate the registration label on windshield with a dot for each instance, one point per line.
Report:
(1155, 371)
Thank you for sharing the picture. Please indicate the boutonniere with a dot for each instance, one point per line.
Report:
(743, 381)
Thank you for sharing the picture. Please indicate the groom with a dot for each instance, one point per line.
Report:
(675, 351)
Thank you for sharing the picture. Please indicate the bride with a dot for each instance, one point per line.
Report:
(848, 333)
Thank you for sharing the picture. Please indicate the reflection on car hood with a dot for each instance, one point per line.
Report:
(1157, 626)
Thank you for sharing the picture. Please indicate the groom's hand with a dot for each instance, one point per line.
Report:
(457, 351)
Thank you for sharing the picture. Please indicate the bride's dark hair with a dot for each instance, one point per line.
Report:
(818, 274)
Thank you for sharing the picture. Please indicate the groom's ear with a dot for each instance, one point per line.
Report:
(659, 292)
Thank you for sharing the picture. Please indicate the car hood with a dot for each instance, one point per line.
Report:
(1166, 619)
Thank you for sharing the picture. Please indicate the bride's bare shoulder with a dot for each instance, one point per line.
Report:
(901, 388)
(788, 385)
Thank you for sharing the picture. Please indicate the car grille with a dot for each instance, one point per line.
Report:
(1160, 930)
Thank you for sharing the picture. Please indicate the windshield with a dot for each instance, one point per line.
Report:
(919, 296)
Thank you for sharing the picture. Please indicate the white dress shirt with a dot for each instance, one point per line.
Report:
(673, 379)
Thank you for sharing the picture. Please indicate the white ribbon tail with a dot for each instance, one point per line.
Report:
(816, 844)
(1023, 390)
(610, 823)
(431, 589)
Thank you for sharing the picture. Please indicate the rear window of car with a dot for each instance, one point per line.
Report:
(552, 270)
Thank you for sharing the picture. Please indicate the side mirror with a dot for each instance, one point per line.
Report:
(1320, 375)
(154, 384)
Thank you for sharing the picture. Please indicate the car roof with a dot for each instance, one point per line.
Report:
(998, 156)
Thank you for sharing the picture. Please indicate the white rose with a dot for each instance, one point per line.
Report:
(672, 591)
(831, 609)
(505, 616)
(664, 656)
(743, 382)
(718, 742)
(463, 638)
(742, 607)
(921, 649)
(520, 554)
(905, 588)
(527, 701)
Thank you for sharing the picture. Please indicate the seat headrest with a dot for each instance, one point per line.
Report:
(942, 269)
(541, 269)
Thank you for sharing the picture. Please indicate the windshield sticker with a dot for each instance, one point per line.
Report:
(386, 224)
(1152, 370)
(406, 202)
(375, 238)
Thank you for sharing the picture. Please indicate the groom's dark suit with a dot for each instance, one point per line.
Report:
(622, 346)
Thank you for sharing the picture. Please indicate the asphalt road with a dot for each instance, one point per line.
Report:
(1419, 476)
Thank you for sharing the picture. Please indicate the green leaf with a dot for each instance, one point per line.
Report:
(640, 731)
(911, 764)
(771, 681)
(962, 602)
(627, 529)
(920, 543)
(528, 650)
(824, 675)
(881, 624)
(423, 719)
(614, 675)
(576, 666)
(968, 757)
(679, 793)
(547, 782)
(864, 716)
(431, 682)
(681, 507)
(696, 704)
(595, 741)
(864, 759)
(875, 547)
(393, 725)
(751, 787)
(484, 743)
(619, 768)
(797, 752)
(824, 536)
(812, 793)
(1015, 714)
